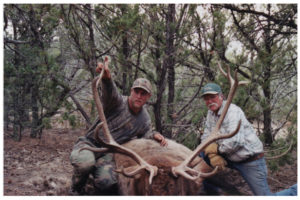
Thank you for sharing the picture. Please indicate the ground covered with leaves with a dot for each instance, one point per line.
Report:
(39, 167)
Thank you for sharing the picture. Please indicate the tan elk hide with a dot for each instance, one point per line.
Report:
(164, 183)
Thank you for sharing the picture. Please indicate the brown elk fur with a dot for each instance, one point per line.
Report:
(164, 183)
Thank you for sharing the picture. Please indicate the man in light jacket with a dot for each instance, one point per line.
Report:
(244, 151)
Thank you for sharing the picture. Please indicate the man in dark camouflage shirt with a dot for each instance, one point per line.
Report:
(127, 119)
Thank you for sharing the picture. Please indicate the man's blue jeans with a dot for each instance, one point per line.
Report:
(292, 191)
(255, 174)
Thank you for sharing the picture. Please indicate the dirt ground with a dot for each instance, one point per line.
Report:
(41, 167)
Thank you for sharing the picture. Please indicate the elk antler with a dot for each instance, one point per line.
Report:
(183, 169)
(111, 144)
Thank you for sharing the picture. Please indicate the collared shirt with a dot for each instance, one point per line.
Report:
(241, 146)
(123, 124)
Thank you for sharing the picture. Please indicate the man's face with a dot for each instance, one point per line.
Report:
(138, 97)
(213, 101)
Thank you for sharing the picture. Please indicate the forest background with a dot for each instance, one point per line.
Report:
(51, 51)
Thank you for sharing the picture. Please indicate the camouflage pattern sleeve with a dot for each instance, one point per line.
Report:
(147, 131)
(110, 97)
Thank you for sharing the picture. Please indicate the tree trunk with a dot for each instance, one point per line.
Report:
(267, 107)
(17, 125)
(157, 115)
(267, 126)
(267, 86)
(161, 74)
(170, 62)
(35, 110)
(81, 110)
(92, 46)
(7, 108)
(127, 69)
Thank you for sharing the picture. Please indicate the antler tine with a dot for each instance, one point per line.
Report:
(184, 173)
(99, 107)
(221, 69)
(209, 174)
(233, 86)
(229, 77)
(244, 82)
(95, 84)
(227, 74)
(131, 173)
(96, 135)
(111, 145)
(187, 172)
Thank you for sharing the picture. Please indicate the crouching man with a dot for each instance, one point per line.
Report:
(127, 119)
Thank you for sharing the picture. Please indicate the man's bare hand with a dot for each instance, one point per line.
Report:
(104, 66)
(160, 138)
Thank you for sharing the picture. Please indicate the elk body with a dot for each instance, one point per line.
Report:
(146, 168)
(164, 183)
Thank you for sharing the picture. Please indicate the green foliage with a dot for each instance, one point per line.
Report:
(200, 114)
(68, 106)
(178, 94)
(32, 72)
(46, 123)
(73, 121)
(126, 21)
(281, 145)
(189, 140)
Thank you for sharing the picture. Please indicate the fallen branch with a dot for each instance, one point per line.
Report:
(280, 155)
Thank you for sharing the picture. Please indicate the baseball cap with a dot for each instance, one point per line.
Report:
(142, 83)
(210, 88)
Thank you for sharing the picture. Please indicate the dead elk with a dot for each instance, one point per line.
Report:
(164, 183)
